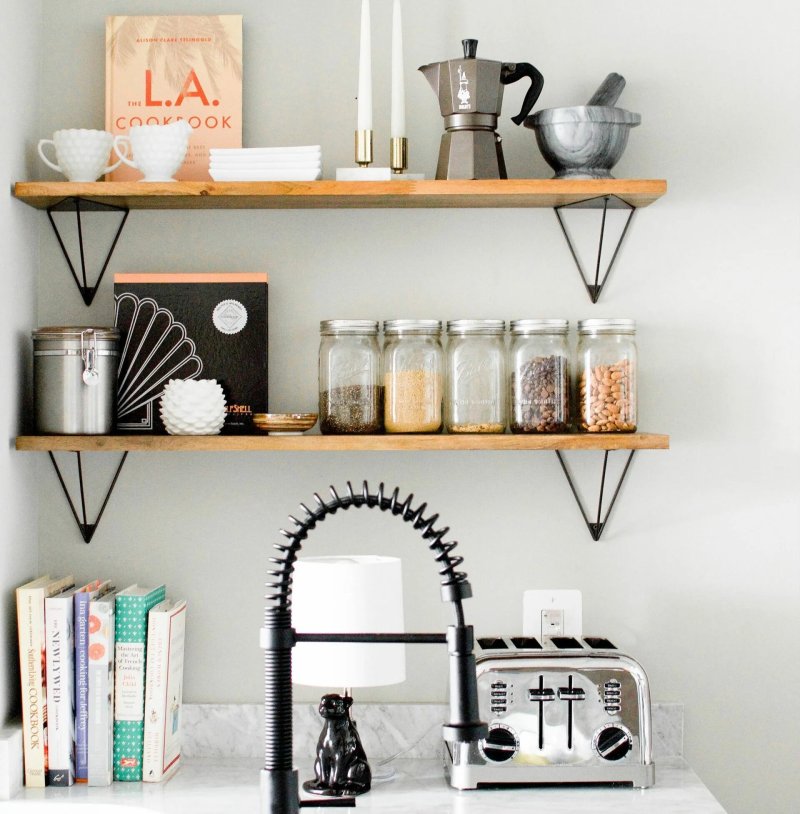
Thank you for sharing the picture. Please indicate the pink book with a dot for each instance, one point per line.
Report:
(163, 68)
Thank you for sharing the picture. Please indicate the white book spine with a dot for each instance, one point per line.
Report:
(59, 649)
(163, 690)
(101, 692)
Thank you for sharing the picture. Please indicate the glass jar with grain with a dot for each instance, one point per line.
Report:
(606, 370)
(350, 385)
(475, 382)
(413, 368)
(539, 375)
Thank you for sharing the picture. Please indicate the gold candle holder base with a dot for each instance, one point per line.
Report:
(398, 154)
(364, 155)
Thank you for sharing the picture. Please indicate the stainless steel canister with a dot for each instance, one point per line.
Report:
(75, 379)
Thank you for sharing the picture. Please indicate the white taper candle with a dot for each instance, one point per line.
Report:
(398, 123)
(365, 71)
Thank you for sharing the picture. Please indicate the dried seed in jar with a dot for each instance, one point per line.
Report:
(606, 398)
(540, 395)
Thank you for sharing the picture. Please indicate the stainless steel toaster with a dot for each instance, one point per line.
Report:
(561, 710)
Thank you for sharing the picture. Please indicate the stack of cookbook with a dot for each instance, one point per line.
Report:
(102, 679)
(266, 163)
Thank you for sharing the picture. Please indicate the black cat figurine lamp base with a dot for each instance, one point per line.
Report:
(340, 766)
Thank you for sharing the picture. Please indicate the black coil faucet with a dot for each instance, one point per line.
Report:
(279, 780)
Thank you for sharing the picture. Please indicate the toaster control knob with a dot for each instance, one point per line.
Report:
(613, 742)
(501, 744)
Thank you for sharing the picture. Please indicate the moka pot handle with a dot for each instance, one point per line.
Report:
(513, 71)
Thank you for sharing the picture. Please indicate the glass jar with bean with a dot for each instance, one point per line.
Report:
(539, 375)
(606, 370)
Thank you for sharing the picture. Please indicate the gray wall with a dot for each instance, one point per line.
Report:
(698, 571)
(19, 65)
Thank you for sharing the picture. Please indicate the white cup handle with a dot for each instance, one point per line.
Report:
(123, 140)
(127, 146)
(44, 158)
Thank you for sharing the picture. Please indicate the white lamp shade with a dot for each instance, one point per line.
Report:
(362, 594)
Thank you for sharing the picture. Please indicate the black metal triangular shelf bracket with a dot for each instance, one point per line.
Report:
(604, 202)
(79, 205)
(86, 528)
(597, 526)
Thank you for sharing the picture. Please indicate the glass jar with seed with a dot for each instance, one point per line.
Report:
(475, 389)
(606, 386)
(350, 386)
(539, 375)
(413, 371)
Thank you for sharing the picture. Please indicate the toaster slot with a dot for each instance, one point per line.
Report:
(493, 643)
(566, 643)
(525, 643)
(599, 643)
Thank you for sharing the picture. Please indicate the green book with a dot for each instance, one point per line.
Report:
(132, 607)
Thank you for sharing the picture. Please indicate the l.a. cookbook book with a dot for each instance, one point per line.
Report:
(163, 68)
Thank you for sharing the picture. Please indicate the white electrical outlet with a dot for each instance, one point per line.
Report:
(552, 613)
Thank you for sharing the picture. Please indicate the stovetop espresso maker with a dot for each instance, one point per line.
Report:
(470, 92)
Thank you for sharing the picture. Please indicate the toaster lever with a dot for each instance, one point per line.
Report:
(571, 694)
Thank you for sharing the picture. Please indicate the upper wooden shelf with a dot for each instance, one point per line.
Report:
(511, 193)
(335, 443)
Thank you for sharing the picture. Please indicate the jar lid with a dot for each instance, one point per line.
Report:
(607, 326)
(476, 326)
(75, 333)
(419, 326)
(349, 326)
(539, 326)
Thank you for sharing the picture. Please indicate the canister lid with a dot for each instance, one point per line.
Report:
(393, 327)
(539, 326)
(349, 326)
(607, 326)
(476, 326)
(75, 332)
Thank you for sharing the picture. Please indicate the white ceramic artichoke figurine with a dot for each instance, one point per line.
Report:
(193, 407)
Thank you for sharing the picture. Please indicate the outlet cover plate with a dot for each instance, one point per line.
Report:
(552, 612)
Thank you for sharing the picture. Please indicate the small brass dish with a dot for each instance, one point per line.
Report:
(284, 423)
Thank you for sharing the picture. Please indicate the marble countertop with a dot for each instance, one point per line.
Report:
(209, 786)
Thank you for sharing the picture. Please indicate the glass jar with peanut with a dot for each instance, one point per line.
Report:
(606, 375)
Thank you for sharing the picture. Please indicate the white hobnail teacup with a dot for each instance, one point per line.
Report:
(158, 149)
(81, 155)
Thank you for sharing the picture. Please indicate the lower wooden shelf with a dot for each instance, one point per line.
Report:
(337, 443)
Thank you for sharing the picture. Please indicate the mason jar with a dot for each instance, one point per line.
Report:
(538, 361)
(350, 386)
(606, 370)
(413, 366)
(475, 385)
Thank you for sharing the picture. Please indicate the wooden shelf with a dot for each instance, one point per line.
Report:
(336, 443)
(511, 193)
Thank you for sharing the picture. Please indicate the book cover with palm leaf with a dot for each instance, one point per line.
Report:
(163, 68)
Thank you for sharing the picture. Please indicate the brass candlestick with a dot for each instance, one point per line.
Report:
(398, 154)
(364, 155)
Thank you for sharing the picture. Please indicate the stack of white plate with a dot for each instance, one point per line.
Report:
(266, 163)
